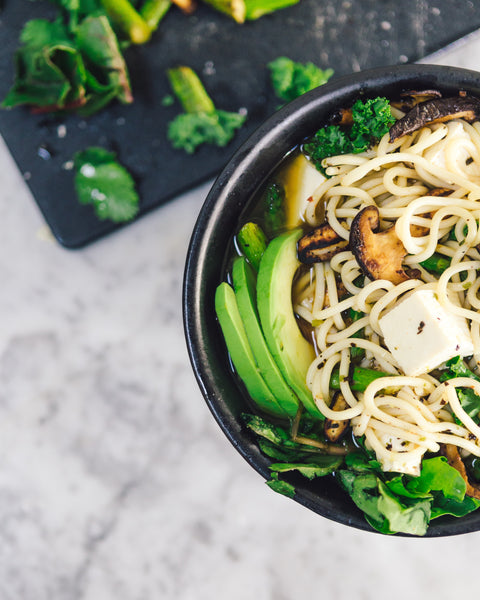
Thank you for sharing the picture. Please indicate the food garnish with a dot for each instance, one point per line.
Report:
(105, 184)
(202, 122)
(291, 79)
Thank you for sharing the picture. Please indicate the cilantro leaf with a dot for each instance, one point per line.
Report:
(106, 185)
(291, 79)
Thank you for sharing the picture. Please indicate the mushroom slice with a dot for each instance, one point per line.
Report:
(454, 460)
(320, 245)
(437, 110)
(379, 255)
(342, 117)
(335, 430)
(410, 98)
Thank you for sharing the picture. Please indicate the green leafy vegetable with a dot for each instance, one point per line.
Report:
(371, 119)
(106, 185)
(310, 470)
(469, 400)
(291, 79)
(202, 123)
(273, 201)
(280, 486)
(456, 367)
(60, 68)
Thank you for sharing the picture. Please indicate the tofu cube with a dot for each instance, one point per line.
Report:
(421, 334)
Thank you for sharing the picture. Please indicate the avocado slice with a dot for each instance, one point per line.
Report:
(240, 352)
(244, 285)
(292, 352)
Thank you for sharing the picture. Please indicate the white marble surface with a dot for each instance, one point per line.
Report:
(115, 482)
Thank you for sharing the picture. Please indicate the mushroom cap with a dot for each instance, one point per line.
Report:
(437, 110)
(379, 255)
(320, 244)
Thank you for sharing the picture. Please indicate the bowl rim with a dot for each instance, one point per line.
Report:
(242, 171)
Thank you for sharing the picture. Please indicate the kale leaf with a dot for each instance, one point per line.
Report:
(291, 79)
(371, 119)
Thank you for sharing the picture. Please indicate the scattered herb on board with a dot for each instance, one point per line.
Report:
(291, 79)
(202, 122)
(105, 184)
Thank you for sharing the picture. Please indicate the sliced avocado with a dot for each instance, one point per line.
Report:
(245, 291)
(289, 348)
(240, 351)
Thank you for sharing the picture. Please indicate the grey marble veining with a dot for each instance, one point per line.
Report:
(115, 482)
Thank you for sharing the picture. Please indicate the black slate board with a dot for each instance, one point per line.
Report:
(347, 36)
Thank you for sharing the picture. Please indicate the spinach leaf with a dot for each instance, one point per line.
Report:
(280, 486)
(319, 468)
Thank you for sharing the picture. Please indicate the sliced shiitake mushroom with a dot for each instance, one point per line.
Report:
(454, 460)
(342, 117)
(410, 98)
(379, 255)
(335, 430)
(437, 110)
(320, 244)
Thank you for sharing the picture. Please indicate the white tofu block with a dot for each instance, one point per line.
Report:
(421, 334)
(403, 462)
(300, 181)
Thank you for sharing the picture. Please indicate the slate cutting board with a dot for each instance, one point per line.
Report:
(231, 59)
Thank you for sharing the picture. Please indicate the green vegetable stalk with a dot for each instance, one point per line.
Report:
(233, 8)
(257, 8)
(153, 11)
(360, 378)
(188, 88)
(202, 122)
(252, 242)
(128, 19)
(437, 263)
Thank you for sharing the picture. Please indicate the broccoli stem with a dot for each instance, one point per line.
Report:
(128, 20)
(257, 8)
(189, 90)
(360, 379)
(436, 263)
(233, 8)
(153, 11)
(252, 242)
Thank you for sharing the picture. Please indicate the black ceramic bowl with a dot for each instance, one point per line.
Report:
(211, 240)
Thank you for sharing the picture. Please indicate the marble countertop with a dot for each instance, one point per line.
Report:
(115, 481)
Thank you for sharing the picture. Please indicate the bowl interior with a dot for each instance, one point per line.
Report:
(211, 239)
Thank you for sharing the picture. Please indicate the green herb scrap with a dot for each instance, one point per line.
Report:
(69, 67)
(371, 119)
(201, 123)
(291, 79)
(102, 182)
